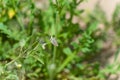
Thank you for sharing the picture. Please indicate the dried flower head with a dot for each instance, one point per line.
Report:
(53, 41)
(42, 42)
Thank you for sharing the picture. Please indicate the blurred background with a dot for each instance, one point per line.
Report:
(108, 6)
(60, 39)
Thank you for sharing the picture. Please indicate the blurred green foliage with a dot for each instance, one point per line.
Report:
(42, 44)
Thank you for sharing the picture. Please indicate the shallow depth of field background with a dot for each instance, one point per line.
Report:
(59, 39)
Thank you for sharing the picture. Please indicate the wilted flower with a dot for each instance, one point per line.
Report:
(42, 43)
(53, 41)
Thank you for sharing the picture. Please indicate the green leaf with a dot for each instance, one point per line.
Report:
(116, 54)
(66, 61)
(75, 45)
(78, 12)
(67, 51)
(92, 28)
(38, 59)
(12, 77)
(4, 29)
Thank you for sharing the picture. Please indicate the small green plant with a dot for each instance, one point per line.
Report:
(43, 44)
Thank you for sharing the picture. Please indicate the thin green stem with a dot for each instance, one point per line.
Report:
(53, 72)
(56, 33)
(54, 54)
(15, 58)
(21, 53)
(20, 23)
